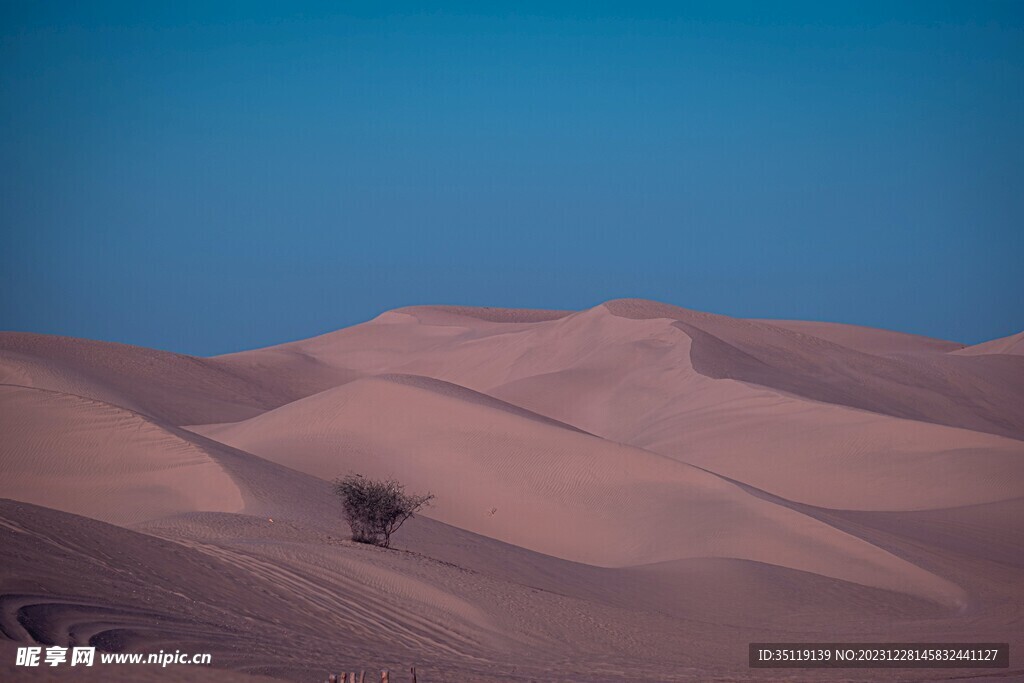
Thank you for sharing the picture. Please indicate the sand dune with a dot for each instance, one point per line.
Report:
(621, 341)
(507, 476)
(630, 492)
(171, 387)
(830, 455)
(277, 598)
(879, 371)
(1012, 345)
(84, 456)
(139, 591)
(179, 389)
(99, 460)
(823, 371)
(644, 381)
(441, 314)
(866, 339)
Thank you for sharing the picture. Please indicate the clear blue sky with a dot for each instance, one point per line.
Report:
(209, 176)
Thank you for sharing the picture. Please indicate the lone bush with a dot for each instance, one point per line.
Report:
(376, 509)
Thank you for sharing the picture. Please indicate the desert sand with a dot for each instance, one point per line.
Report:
(631, 492)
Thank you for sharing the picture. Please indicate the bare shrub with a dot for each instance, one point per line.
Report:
(376, 509)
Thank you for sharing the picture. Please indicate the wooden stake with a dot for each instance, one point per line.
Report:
(413, 672)
(384, 678)
(362, 677)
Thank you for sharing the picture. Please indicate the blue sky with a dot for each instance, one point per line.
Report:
(207, 177)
